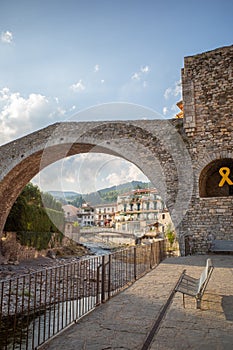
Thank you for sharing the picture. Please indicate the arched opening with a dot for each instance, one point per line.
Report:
(145, 213)
(143, 143)
(115, 193)
(216, 179)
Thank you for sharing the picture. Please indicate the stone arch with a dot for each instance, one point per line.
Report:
(144, 143)
(210, 179)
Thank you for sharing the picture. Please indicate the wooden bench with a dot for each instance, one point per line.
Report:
(195, 287)
(221, 246)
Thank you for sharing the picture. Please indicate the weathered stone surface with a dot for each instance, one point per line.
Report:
(174, 155)
(125, 321)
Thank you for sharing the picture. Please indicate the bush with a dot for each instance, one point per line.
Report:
(38, 240)
(170, 234)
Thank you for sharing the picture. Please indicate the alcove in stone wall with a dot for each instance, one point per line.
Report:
(210, 179)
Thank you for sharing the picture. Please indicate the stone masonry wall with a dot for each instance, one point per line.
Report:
(208, 122)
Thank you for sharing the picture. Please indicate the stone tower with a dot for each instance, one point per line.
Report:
(207, 81)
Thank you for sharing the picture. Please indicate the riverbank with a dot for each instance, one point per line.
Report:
(54, 257)
(31, 265)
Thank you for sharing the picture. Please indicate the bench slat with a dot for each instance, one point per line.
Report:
(219, 245)
(195, 287)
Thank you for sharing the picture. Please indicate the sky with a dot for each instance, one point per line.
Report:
(59, 58)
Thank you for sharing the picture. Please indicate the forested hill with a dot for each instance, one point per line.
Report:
(106, 195)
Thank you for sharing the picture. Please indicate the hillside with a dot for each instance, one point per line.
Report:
(106, 195)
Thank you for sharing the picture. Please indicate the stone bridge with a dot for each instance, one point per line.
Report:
(181, 157)
(106, 236)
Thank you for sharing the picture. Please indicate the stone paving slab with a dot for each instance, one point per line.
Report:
(125, 321)
(208, 328)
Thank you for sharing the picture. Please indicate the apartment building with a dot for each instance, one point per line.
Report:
(141, 210)
(105, 214)
(86, 215)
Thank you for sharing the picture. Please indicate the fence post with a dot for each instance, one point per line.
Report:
(109, 274)
(151, 255)
(103, 280)
(135, 262)
(98, 284)
(160, 251)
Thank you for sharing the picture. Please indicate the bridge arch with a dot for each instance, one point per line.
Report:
(154, 147)
(185, 151)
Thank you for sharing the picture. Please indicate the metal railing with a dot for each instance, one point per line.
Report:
(37, 306)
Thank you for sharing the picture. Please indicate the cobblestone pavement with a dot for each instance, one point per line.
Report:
(125, 321)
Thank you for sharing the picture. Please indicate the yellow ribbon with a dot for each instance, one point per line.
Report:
(225, 172)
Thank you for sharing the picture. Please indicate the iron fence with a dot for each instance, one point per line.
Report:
(37, 306)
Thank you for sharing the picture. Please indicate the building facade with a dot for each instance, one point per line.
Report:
(141, 211)
(86, 215)
(105, 215)
(72, 221)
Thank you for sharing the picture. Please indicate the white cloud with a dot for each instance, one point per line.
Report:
(89, 172)
(96, 68)
(21, 115)
(78, 87)
(70, 179)
(167, 93)
(173, 91)
(145, 69)
(178, 88)
(136, 76)
(127, 172)
(7, 37)
(172, 94)
(102, 81)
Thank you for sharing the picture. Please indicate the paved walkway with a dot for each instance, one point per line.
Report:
(125, 321)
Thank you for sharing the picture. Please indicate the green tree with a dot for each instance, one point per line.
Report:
(50, 202)
(170, 234)
(32, 194)
(28, 213)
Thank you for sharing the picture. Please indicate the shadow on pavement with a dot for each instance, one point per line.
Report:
(219, 260)
(227, 302)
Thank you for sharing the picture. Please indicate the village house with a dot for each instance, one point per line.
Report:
(72, 221)
(105, 214)
(142, 211)
(86, 215)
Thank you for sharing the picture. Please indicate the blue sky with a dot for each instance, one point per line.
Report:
(60, 57)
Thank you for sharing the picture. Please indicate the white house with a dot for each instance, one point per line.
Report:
(105, 214)
(141, 211)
